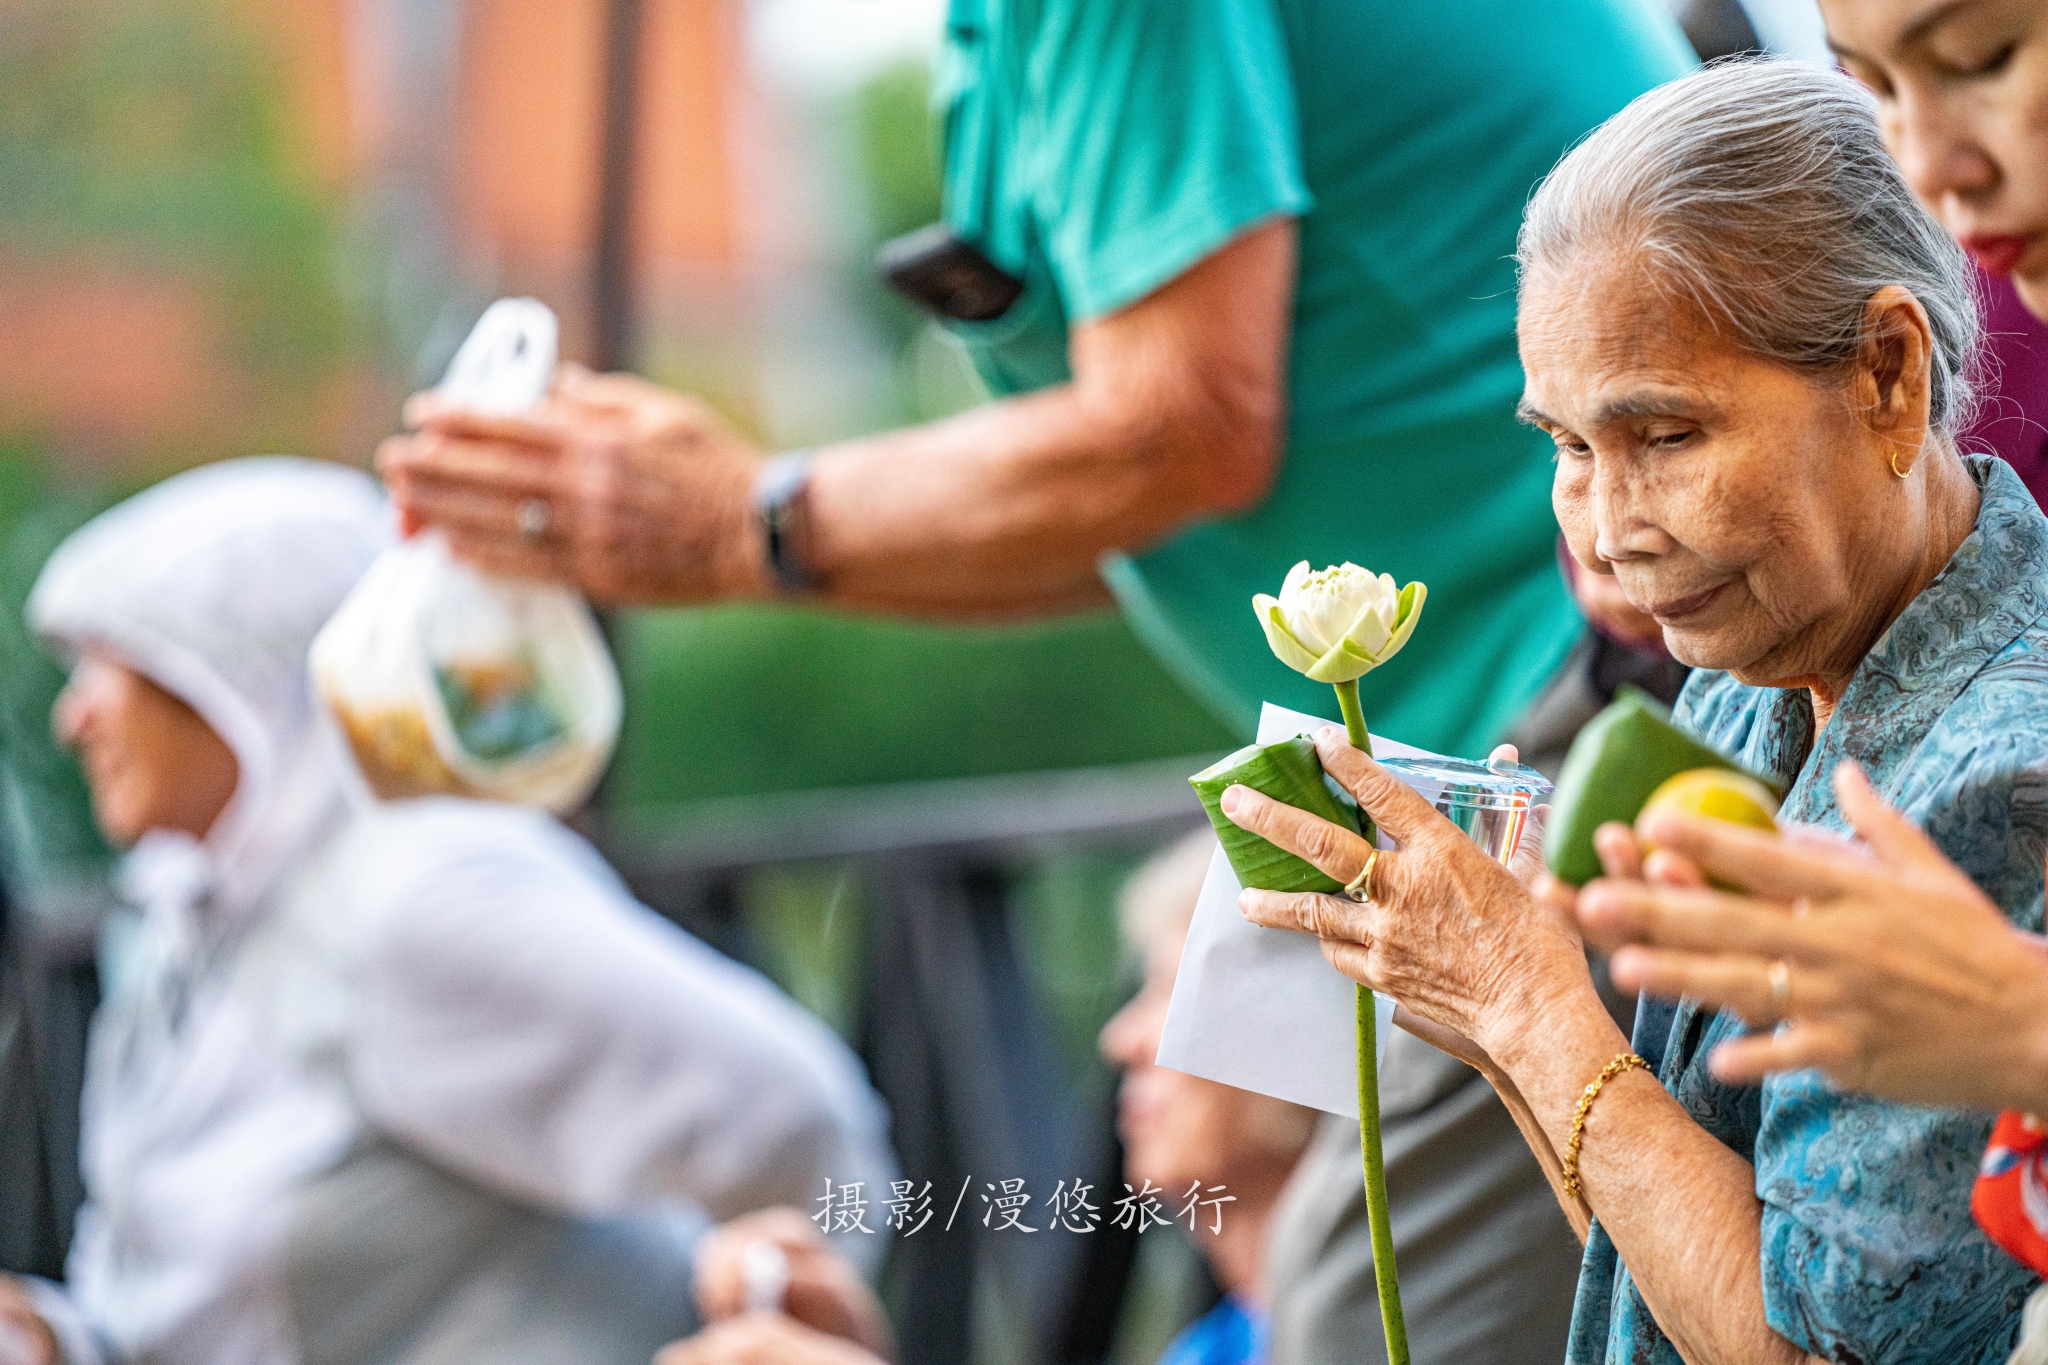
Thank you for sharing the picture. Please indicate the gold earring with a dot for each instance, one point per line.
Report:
(1902, 473)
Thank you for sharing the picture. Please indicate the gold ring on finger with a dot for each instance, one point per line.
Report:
(1781, 987)
(1359, 888)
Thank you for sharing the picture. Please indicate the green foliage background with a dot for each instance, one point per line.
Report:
(151, 133)
(141, 133)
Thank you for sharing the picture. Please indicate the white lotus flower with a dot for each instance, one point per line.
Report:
(1340, 623)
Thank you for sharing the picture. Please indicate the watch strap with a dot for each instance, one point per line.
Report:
(779, 505)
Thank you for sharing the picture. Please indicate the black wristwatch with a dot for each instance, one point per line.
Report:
(779, 501)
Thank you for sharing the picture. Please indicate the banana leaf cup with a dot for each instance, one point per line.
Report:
(1288, 772)
(1621, 756)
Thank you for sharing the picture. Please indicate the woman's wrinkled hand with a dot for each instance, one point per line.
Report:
(1896, 974)
(25, 1339)
(764, 1339)
(1450, 933)
(627, 490)
(823, 1289)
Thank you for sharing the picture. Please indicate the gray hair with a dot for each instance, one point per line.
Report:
(1763, 193)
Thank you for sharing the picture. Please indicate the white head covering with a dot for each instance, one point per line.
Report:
(212, 585)
(344, 1016)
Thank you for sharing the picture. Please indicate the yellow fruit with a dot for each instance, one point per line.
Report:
(1715, 794)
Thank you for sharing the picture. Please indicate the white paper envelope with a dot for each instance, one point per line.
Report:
(1259, 1008)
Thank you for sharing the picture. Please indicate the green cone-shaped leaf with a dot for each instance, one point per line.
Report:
(1620, 757)
(1288, 771)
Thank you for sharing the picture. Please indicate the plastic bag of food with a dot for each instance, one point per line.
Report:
(446, 680)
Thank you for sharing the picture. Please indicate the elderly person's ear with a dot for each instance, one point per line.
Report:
(1895, 370)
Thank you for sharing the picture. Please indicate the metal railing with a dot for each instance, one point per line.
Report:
(949, 1027)
(950, 1030)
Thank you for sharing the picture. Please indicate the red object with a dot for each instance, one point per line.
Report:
(2011, 1198)
(1996, 255)
(2013, 422)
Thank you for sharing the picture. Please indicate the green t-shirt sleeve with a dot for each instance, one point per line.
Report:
(1159, 131)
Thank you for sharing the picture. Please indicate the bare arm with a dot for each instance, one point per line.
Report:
(1175, 412)
(1526, 1122)
(1681, 1208)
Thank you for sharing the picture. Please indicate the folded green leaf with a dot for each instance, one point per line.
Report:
(1288, 772)
(1620, 757)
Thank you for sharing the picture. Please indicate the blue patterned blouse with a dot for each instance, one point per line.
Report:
(1869, 1252)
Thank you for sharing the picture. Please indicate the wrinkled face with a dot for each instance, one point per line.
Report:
(1740, 503)
(1963, 101)
(1177, 1128)
(151, 762)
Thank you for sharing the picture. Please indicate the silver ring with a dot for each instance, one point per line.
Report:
(535, 518)
(1781, 987)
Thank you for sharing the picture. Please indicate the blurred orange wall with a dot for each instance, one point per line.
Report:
(116, 361)
(531, 115)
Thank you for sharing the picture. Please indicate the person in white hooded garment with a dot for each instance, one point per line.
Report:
(415, 1083)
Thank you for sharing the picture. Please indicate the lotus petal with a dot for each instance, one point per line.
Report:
(1368, 634)
(1341, 664)
(1273, 618)
(1412, 598)
(1339, 623)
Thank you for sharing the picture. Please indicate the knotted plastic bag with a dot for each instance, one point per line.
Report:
(445, 680)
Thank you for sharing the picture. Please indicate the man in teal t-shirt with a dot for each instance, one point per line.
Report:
(1099, 150)
(1267, 316)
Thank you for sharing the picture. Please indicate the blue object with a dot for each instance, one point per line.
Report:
(1228, 1334)
(1868, 1247)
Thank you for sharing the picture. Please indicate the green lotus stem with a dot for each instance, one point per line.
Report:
(1376, 1211)
(1376, 1182)
(1354, 718)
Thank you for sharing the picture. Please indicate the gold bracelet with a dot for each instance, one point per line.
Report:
(1627, 1061)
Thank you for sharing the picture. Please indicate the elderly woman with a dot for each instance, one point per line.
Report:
(415, 1083)
(1902, 978)
(1750, 344)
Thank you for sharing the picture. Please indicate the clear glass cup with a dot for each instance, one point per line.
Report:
(1489, 801)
